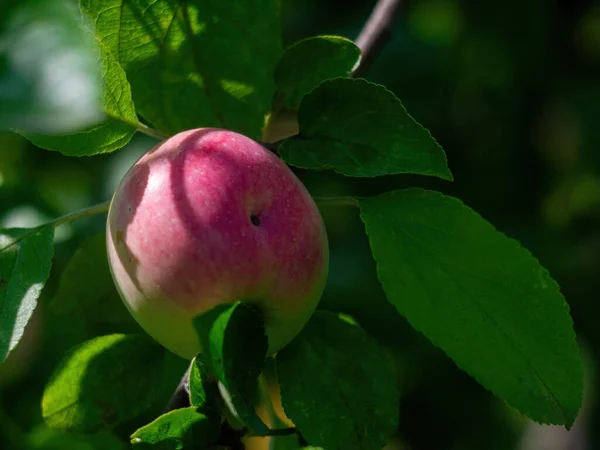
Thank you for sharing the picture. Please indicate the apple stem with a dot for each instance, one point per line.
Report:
(376, 32)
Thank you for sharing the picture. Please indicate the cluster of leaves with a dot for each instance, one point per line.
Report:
(167, 66)
(111, 379)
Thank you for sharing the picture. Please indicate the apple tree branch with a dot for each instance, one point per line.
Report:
(376, 32)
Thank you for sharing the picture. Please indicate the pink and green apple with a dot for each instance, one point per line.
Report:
(208, 217)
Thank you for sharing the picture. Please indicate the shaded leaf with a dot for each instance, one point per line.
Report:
(361, 129)
(307, 63)
(87, 286)
(104, 382)
(234, 347)
(337, 385)
(479, 296)
(204, 392)
(43, 438)
(25, 260)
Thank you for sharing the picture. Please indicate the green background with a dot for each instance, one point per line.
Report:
(511, 90)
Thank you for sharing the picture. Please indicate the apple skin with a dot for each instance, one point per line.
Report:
(209, 217)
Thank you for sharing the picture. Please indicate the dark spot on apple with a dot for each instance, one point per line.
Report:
(255, 220)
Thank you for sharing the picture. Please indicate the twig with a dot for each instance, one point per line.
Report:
(376, 33)
(181, 396)
(81, 214)
(337, 201)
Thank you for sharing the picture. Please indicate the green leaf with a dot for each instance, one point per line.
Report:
(194, 64)
(234, 350)
(48, 69)
(86, 276)
(103, 383)
(114, 132)
(181, 429)
(25, 260)
(203, 389)
(480, 297)
(361, 129)
(307, 63)
(337, 385)
(86, 285)
(43, 438)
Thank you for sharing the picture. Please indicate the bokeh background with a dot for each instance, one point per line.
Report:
(510, 89)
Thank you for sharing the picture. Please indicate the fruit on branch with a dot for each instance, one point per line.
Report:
(208, 217)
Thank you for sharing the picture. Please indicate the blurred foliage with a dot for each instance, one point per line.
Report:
(48, 68)
(511, 90)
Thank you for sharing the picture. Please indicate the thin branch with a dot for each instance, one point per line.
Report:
(81, 214)
(376, 32)
(274, 432)
(337, 201)
(181, 396)
(283, 431)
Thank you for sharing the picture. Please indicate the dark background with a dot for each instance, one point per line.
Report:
(510, 89)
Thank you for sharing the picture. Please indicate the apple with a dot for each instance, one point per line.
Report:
(209, 217)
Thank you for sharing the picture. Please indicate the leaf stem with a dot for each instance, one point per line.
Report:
(145, 129)
(337, 201)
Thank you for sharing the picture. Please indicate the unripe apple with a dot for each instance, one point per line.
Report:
(208, 217)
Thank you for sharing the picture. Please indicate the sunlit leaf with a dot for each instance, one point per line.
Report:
(25, 260)
(194, 64)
